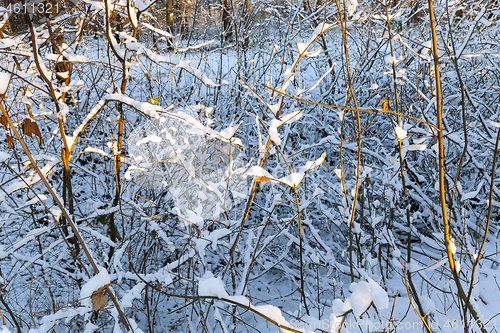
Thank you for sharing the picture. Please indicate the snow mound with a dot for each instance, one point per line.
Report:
(209, 285)
(363, 294)
(3, 156)
(4, 83)
(4, 330)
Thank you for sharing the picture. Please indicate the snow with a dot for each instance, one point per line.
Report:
(457, 266)
(146, 108)
(258, 172)
(272, 312)
(473, 194)
(240, 300)
(286, 119)
(89, 328)
(340, 114)
(391, 60)
(339, 307)
(96, 150)
(4, 82)
(48, 321)
(131, 295)
(97, 281)
(216, 235)
(7, 42)
(378, 295)
(321, 78)
(112, 40)
(132, 14)
(142, 4)
(178, 63)
(15, 186)
(400, 133)
(31, 235)
(229, 132)
(472, 27)
(302, 47)
(194, 47)
(3, 156)
(453, 247)
(360, 298)
(158, 31)
(273, 131)
(134, 326)
(363, 293)
(208, 285)
(320, 29)
(477, 309)
(192, 157)
(151, 138)
(266, 253)
(35, 200)
(295, 178)
(40, 64)
(351, 7)
(97, 5)
(428, 304)
(5, 329)
(314, 53)
(417, 147)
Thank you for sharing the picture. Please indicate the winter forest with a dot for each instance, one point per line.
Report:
(241, 166)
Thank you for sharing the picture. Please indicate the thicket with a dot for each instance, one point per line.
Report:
(358, 181)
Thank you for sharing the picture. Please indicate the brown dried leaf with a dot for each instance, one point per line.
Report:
(30, 127)
(99, 301)
(4, 121)
(10, 139)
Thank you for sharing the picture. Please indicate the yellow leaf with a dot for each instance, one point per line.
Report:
(385, 104)
(261, 179)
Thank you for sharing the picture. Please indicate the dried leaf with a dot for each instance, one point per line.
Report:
(4, 121)
(10, 139)
(385, 104)
(99, 301)
(30, 127)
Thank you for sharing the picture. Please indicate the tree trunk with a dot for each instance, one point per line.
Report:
(226, 20)
(169, 20)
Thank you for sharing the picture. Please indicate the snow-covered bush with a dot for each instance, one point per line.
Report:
(323, 166)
